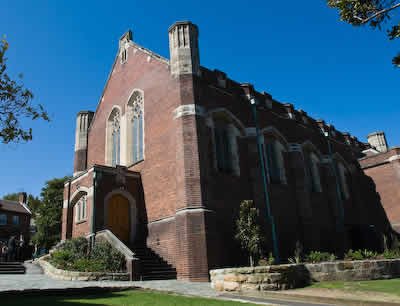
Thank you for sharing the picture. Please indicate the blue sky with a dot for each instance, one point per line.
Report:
(296, 50)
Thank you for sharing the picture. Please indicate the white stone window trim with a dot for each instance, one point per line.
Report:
(109, 140)
(343, 180)
(128, 126)
(311, 151)
(279, 150)
(315, 172)
(235, 129)
(271, 132)
(124, 52)
(81, 210)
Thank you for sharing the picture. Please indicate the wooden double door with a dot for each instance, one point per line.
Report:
(119, 217)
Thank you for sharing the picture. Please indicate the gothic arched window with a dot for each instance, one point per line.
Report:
(312, 168)
(275, 162)
(81, 209)
(113, 138)
(135, 130)
(344, 188)
(226, 131)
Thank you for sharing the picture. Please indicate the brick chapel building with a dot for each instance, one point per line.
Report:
(171, 151)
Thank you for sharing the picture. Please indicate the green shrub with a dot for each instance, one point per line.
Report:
(353, 255)
(267, 261)
(78, 246)
(361, 255)
(391, 254)
(112, 259)
(367, 254)
(75, 255)
(316, 256)
(89, 265)
(62, 258)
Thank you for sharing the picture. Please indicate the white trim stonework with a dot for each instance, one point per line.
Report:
(188, 110)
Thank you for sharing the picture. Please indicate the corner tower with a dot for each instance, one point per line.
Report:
(184, 48)
(378, 140)
(83, 120)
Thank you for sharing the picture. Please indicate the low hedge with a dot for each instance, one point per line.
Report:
(75, 255)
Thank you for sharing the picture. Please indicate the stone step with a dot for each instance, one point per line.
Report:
(158, 269)
(157, 277)
(12, 271)
(12, 268)
(153, 266)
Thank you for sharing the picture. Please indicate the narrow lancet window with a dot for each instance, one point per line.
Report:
(136, 139)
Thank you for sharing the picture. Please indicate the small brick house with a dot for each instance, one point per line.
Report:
(382, 164)
(171, 151)
(15, 219)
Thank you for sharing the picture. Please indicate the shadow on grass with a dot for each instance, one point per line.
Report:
(72, 298)
(127, 298)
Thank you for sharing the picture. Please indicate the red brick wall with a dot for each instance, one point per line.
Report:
(9, 229)
(386, 177)
(299, 214)
(69, 227)
(189, 206)
(160, 99)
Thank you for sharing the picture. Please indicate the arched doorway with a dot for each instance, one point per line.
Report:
(118, 220)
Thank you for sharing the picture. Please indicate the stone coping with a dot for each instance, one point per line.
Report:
(60, 274)
(290, 276)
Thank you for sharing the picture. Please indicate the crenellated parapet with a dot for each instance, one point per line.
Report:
(219, 80)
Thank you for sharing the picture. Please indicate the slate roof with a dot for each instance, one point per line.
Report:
(14, 206)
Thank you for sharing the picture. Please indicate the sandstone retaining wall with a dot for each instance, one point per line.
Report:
(299, 275)
(82, 276)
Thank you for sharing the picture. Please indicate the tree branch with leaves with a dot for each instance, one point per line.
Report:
(376, 13)
(15, 104)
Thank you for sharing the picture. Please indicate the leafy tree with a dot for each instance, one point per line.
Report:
(48, 213)
(15, 104)
(248, 232)
(376, 13)
(32, 201)
(11, 196)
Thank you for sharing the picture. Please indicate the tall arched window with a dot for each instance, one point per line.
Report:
(113, 138)
(344, 189)
(275, 162)
(135, 127)
(312, 168)
(226, 131)
(81, 209)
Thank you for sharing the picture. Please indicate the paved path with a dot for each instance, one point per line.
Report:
(34, 279)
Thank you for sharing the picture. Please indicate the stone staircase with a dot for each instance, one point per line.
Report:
(153, 267)
(12, 268)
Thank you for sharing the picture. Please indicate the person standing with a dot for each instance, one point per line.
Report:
(11, 248)
(20, 248)
(3, 251)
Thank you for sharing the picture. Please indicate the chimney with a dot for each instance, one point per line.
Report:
(322, 125)
(289, 110)
(83, 120)
(378, 140)
(124, 45)
(22, 197)
(184, 48)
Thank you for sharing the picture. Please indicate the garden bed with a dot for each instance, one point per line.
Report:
(56, 273)
(76, 260)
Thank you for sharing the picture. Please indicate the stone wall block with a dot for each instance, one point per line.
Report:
(282, 277)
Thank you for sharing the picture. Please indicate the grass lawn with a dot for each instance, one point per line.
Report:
(385, 286)
(123, 298)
